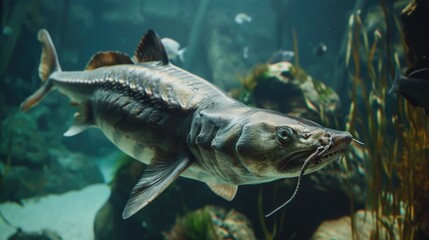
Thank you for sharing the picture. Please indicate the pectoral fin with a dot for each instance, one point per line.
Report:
(155, 179)
(227, 191)
(82, 120)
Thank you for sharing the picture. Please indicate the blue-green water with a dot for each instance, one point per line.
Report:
(233, 44)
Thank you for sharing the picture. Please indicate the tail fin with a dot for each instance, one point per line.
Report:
(48, 64)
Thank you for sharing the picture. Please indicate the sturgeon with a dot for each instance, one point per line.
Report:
(181, 125)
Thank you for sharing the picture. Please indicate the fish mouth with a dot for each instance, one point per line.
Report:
(293, 164)
(333, 154)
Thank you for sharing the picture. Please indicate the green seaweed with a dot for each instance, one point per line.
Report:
(387, 157)
(195, 225)
(278, 221)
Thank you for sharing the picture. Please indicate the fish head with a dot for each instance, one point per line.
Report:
(276, 146)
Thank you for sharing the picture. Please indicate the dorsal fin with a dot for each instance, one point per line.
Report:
(151, 49)
(108, 58)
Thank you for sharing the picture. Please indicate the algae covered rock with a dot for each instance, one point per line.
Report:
(211, 223)
(22, 141)
(365, 228)
(286, 88)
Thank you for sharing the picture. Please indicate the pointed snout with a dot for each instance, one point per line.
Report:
(340, 137)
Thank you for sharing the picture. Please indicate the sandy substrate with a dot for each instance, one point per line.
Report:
(71, 215)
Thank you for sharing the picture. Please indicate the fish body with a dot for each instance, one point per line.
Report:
(414, 87)
(181, 125)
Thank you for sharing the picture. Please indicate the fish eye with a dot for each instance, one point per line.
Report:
(284, 133)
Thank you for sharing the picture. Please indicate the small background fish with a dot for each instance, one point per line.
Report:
(39, 162)
(172, 47)
(242, 18)
(320, 49)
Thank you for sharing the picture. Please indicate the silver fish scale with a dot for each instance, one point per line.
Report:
(141, 87)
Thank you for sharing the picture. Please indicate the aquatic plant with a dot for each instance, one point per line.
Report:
(340, 228)
(195, 225)
(277, 222)
(388, 157)
(211, 223)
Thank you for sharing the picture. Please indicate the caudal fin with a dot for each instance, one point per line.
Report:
(48, 64)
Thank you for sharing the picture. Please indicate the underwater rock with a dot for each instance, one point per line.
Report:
(212, 223)
(365, 228)
(234, 225)
(108, 223)
(288, 89)
(44, 235)
(22, 143)
(75, 170)
(63, 172)
(30, 168)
